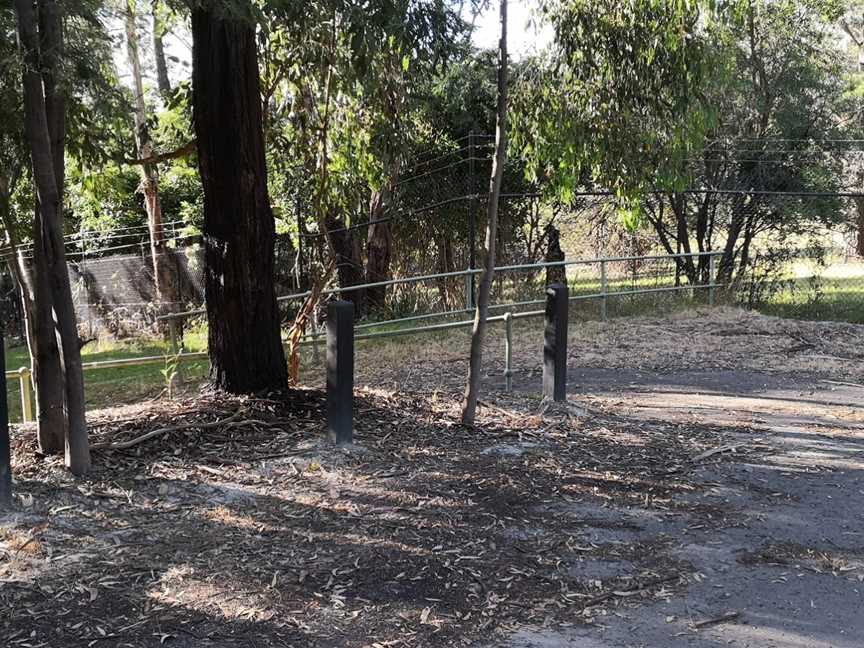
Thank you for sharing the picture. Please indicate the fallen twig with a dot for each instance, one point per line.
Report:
(723, 618)
(630, 591)
(710, 453)
(123, 445)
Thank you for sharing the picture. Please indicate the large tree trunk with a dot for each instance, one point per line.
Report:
(44, 123)
(378, 251)
(239, 231)
(164, 274)
(349, 261)
(162, 81)
(472, 389)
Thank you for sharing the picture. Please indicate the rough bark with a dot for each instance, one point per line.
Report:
(378, 252)
(41, 124)
(162, 81)
(472, 389)
(45, 351)
(42, 346)
(349, 261)
(554, 274)
(164, 275)
(239, 231)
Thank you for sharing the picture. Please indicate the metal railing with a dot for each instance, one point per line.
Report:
(24, 374)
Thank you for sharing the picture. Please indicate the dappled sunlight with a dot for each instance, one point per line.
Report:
(211, 595)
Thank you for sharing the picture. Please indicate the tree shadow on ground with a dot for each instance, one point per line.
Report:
(427, 533)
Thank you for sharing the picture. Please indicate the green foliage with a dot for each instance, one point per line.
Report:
(616, 100)
(337, 76)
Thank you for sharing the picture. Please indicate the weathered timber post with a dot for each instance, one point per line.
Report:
(5, 451)
(555, 343)
(340, 371)
(24, 378)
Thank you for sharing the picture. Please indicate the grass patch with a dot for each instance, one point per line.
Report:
(810, 292)
(105, 386)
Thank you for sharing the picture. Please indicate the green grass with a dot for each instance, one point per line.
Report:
(834, 292)
(116, 385)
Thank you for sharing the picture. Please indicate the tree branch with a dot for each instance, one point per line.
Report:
(184, 151)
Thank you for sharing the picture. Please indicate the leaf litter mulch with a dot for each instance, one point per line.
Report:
(223, 521)
(217, 521)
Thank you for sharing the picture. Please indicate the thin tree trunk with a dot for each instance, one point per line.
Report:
(41, 127)
(445, 265)
(239, 231)
(162, 81)
(472, 390)
(678, 202)
(45, 352)
(727, 260)
(42, 345)
(163, 268)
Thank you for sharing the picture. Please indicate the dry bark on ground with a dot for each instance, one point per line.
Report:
(253, 532)
(428, 533)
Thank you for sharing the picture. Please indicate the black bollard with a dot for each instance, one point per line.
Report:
(5, 453)
(340, 371)
(555, 343)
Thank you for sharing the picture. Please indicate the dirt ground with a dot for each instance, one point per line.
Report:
(703, 488)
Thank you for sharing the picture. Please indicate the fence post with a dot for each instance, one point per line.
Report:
(340, 371)
(5, 449)
(26, 400)
(555, 343)
(508, 351)
(603, 289)
(711, 258)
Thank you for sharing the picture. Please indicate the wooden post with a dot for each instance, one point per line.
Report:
(26, 400)
(5, 450)
(340, 371)
(555, 343)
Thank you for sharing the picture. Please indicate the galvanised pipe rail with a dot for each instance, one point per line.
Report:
(24, 374)
(336, 291)
(463, 273)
